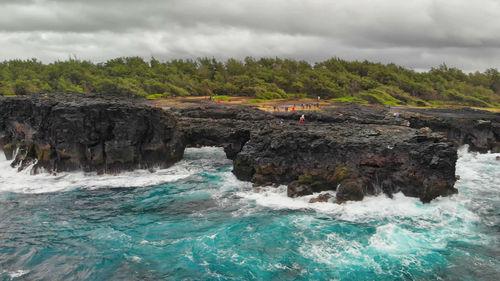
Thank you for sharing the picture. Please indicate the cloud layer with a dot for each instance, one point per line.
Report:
(414, 33)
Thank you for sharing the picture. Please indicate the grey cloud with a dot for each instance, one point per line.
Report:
(413, 33)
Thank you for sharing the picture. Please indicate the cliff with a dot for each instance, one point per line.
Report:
(355, 150)
(87, 132)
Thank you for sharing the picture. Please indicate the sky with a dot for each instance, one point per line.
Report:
(417, 34)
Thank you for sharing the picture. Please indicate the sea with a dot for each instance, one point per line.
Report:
(196, 221)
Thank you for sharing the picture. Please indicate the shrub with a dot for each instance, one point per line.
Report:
(379, 96)
(420, 103)
(349, 99)
(154, 96)
(476, 102)
(223, 98)
(177, 91)
(271, 95)
(453, 95)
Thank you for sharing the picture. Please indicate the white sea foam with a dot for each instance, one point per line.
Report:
(370, 209)
(405, 227)
(23, 182)
(17, 273)
(395, 239)
(401, 227)
(479, 173)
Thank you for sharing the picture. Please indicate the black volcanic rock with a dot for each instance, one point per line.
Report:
(220, 125)
(70, 132)
(350, 190)
(361, 150)
(479, 129)
(362, 159)
(355, 150)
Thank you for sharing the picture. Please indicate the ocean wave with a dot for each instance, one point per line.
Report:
(479, 176)
(208, 221)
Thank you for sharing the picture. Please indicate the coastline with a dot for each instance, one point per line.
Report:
(355, 149)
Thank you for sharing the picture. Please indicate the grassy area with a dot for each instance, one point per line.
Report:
(350, 100)
(154, 96)
(222, 98)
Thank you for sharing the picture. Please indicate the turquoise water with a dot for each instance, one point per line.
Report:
(196, 221)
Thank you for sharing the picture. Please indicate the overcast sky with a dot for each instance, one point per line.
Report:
(417, 34)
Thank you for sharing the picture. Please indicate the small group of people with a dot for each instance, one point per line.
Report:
(210, 99)
(286, 108)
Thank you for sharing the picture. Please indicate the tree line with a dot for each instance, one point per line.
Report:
(264, 78)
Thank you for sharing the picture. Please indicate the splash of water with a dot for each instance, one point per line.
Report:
(197, 221)
(23, 182)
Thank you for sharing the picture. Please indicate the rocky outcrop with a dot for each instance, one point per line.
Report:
(87, 132)
(354, 159)
(354, 150)
(477, 128)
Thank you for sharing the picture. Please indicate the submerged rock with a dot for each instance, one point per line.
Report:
(321, 198)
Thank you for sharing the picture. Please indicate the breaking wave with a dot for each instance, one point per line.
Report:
(196, 221)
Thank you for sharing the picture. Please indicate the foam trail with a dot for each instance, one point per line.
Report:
(24, 182)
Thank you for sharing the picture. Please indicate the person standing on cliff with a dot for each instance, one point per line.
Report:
(302, 118)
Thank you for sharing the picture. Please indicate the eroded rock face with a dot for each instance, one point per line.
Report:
(355, 150)
(359, 150)
(72, 132)
(225, 126)
(477, 128)
(361, 159)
